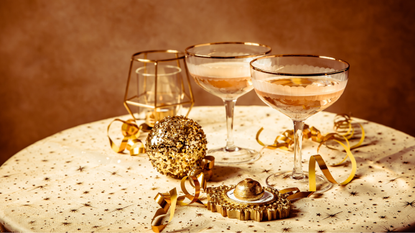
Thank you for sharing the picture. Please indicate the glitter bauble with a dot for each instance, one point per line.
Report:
(175, 145)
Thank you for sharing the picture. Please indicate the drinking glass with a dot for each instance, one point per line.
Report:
(222, 69)
(298, 86)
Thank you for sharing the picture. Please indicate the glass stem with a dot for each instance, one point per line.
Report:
(229, 107)
(298, 142)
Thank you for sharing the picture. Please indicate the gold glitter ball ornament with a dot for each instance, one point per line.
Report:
(175, 145)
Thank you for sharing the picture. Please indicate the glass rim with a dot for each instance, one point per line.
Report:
(301, 74)
(176, 68)
(179, 55)
(227, 57)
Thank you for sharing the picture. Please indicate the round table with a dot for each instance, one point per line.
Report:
(73, 182)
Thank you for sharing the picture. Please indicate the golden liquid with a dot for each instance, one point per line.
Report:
(227, 80)
(298, 105)
(224, 87)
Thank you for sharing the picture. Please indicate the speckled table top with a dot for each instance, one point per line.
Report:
(73, 182)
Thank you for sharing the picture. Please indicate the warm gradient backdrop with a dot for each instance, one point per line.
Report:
(64, 63)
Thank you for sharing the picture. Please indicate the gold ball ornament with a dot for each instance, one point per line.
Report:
(175, 145)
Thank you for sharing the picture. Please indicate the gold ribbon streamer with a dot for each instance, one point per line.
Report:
(204, 172)
(319, 159)
(343, 131)
(295, 193)
(130, 142)
(198, 178)
(286, 139)
(170, 200)
(192, 198)
(166, 201)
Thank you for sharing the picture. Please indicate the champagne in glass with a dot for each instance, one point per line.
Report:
(298, 86)
(222, 69)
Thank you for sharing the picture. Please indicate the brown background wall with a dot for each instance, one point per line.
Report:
(64, 63)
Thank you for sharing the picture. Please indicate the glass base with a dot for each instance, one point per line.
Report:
(238, 156)
(284, 180)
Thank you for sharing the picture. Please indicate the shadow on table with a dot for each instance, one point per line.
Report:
(221, 173)
(407, 229)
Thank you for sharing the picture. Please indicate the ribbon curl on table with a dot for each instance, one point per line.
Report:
(166, 201)
(343, 131)
(131, 141)
(170, 200)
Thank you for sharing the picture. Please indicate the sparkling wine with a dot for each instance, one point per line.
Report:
(299, 98)
(227, 80)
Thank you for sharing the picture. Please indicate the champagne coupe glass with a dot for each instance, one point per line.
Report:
(222, 69)
(298, 86)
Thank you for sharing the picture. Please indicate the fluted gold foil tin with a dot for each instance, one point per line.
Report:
(271, 205)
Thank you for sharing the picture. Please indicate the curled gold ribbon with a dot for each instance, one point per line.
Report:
(166, 201)
(170, 200)
(130, 141)
(343, 131)
(193, 198)
(204, 172)
(295, 193)
(198, 178)
(319, 160)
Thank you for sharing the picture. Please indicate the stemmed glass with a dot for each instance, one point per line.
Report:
(298, 86)
(222, 69)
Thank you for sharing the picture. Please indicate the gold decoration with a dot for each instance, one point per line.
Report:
(175, 145)
(171, 200)
(341, 122)
(203, 173)
(130, 142)
(165, 200)
(249, 190)
(344, 131)
(248, 200)
(269, 204)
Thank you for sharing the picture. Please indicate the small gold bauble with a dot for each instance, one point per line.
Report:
(248, 190)
(175, 145)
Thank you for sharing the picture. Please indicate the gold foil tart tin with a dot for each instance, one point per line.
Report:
(248, 200)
